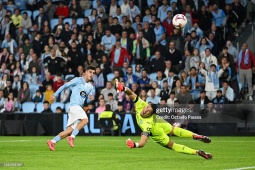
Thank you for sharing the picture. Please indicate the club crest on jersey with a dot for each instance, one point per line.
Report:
(83, 94)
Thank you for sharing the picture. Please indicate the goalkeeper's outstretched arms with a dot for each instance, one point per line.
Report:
(141, 143)
(120, 87)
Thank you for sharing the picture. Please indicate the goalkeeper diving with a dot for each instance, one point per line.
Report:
(158, 129)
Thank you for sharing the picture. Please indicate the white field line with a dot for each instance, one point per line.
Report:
(242, 168)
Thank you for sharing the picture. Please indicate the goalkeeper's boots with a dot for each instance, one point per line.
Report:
(51, 145)
(202, 138)
(70, 141)
(204, 154)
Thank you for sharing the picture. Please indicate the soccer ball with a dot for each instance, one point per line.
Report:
(179, 21)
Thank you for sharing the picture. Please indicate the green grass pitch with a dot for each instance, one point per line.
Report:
(96, 153)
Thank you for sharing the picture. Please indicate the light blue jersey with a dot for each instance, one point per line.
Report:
(80, 91)
(80, 94)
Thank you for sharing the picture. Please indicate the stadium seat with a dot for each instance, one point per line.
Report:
(67, 107)
(153, 76)
(53, 23)
(106, 126)
(94, 3)
(28, 107)
(80, 21)
(69, 76)
(110, 76)
(33, 88)
(87, 12)
(35, 13)
(39, 107)
(120, 2)
(150, 2)
(55, 105)
(29, 13)
(69, 20)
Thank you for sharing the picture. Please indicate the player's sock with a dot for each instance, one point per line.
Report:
(74, 133)
(183, 149)
(56, 139)
(182, 132)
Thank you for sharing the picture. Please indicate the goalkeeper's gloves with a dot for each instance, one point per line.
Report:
(131, 144)
(119, 86)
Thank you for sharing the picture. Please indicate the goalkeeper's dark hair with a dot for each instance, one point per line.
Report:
(91, 68)
(154, 108)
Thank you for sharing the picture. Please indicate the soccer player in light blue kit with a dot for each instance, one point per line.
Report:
(82, 90)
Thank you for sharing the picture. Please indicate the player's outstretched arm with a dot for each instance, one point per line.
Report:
(141, 143)
(129, 92)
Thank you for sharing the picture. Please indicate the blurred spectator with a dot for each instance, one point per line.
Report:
(171, 99)
(184, 97)
(50, 9)
(219, 101)
(212, 83)
(141, 49)
(56, 64)
(120, 109)
(202, 100)
(91, 108)
(2, 11)
(153, 98)
(16, 18)
(2, 100)
(157, 63)
(155, 87)
(10, 6)
(149, 34)
(9, 104)
(128, 104)
(232, 50)
(7, 28)
(108, 41)
(3, 81)
(130, 78)
(208, 59)
(132, 11)
(58, 83)
(177, 88)
(8, 89)
(195, 59)
(174, 56)
(205, 18)
(101, 107)
(48, 93)
(10, 44)
(108, 89)
(90, 62)
(226, 75)
(138, 71)
(160, 79)
(168, 24)
(218, 16)
(135, 88)
(75, 10)
(4, 56)
(59, 110)
(229, 58)
(165, 92)
(172, 78)
(24, 94)
(183, 77)
(38, 97)
(144, 82)
(118, 56)
(62, 10)
(245, 65)
(16, 85)
(195, 83)
(228, 92)
(98, 78)
(46, 107)
(41, 18)
(47, 81)
(112, 102)
(116, 74)
(143, 95)
(34, 76)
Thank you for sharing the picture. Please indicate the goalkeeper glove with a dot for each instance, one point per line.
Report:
(131, 144)
(119, 86)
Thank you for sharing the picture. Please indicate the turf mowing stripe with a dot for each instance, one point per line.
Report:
(243, 168)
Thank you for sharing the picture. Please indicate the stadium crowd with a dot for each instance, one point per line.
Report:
(44, 44)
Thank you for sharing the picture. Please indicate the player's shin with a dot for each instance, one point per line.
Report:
(182, 132)
(183, 149)
(56, 139)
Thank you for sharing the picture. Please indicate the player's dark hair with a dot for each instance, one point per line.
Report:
(91, 68)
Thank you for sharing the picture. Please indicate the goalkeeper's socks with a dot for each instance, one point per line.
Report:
(74, 133)
(182, 132)
(56, 139)
(183, 149)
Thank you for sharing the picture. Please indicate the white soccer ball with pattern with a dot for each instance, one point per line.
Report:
(179, 21)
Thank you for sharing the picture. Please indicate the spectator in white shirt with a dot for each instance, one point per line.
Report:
(228, 92)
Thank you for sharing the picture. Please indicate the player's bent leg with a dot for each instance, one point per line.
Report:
(186, 133)
(76, 128)
(184, 149)
(61, 135)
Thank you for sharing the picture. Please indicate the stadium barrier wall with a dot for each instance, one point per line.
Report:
(227, 120)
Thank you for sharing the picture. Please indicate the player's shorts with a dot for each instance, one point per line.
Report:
(75, 114)
(159, 133)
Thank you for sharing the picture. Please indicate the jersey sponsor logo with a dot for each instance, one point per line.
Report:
(83, 94)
